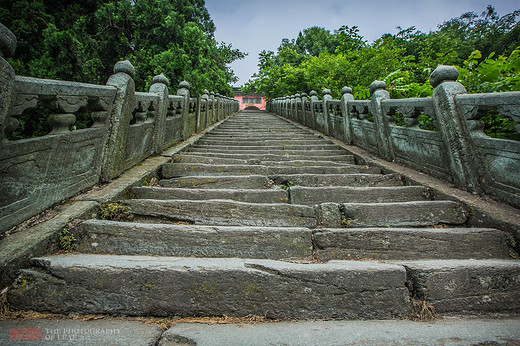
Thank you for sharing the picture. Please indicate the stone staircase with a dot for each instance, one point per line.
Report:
(263, 217)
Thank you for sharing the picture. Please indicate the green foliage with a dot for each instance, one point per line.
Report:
(82, 40)
(114, 211)
(67, 240)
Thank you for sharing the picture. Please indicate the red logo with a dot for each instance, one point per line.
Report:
(25, 334)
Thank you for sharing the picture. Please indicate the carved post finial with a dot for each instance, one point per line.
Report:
(161, 78)
(346, 90)
(125, 66)
(7, 42)
(443, 73)
(377, 85)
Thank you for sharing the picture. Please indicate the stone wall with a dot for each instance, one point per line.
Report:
(128, 126)
(455, 149)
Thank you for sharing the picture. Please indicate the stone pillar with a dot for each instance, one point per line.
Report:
(184, 91)
(7, 76)
(213, 105)
(379, 94)
(346, 96)
(314, 101)
(120, 117)
(327, 96)
(453, 127)
(160, 87)
(301, 118)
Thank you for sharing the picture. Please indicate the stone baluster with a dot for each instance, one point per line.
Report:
(213, 105)
(346, 96)
(160, 87)
(7, 76)
(184, 91)
(379, 94)
(453, 127)
(327, 96)
(121, 114)
(314, 101)
(64, 108)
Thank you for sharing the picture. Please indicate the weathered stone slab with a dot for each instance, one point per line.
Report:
(241, 195)
(275, 157)
(341, 194)
(318, 180)
(223, 212)
(187, 158)
(420, 213)
(275, 152)
(171, 170)
(128, 238)
(475, 286)
(171, 286)
(268, 142)
(217, 182)
(411, 243)
(345, 169)
(267, 148)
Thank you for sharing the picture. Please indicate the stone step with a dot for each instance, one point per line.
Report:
(404, 214)
(217, 182)
(241, 195)
(267, 142)
(410, 243)
(131, 238)
(172, 170)
(323, 180)
(174, 286)
(225, 212)
(341, 194)
(267, 148)
(260, 136)
(260, 131)
(277, 157)
(466, 286)
(205, 159)
(274, 152)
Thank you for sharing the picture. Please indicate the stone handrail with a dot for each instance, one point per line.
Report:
(128, 126)
(455, 148)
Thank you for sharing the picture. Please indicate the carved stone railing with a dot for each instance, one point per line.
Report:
(127, 127)
(453, 147)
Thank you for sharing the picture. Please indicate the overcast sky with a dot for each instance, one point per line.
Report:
(255, 25)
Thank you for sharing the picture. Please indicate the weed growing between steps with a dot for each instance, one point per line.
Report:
(422, 310)
(114, 211)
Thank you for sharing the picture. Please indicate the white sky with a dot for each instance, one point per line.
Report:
(255, 25)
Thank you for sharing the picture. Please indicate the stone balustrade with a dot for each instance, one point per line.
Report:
(127, 127)
(454, 147)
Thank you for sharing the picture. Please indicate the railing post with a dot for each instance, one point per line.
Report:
(184, 91)
(160, 87)
(314, 100)
(120, 117)
(301, 117)
(7, 76)
(453, 127)
(346, 96)
(327, 96)
(379, 94)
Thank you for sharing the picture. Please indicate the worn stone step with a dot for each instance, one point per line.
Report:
(466, 286)
(217, 182)
(404, 214)
(261, 131)
(280, 161)
(224, 212)
(173, 286)
(131, 238)
(267, 148)
(341, 194)
(256, 142)
(411, 243)
(172, 170)
(275, 152)
(322, 180)
(260, 136)
(336, 169)
(275, 157)
(241, 195)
